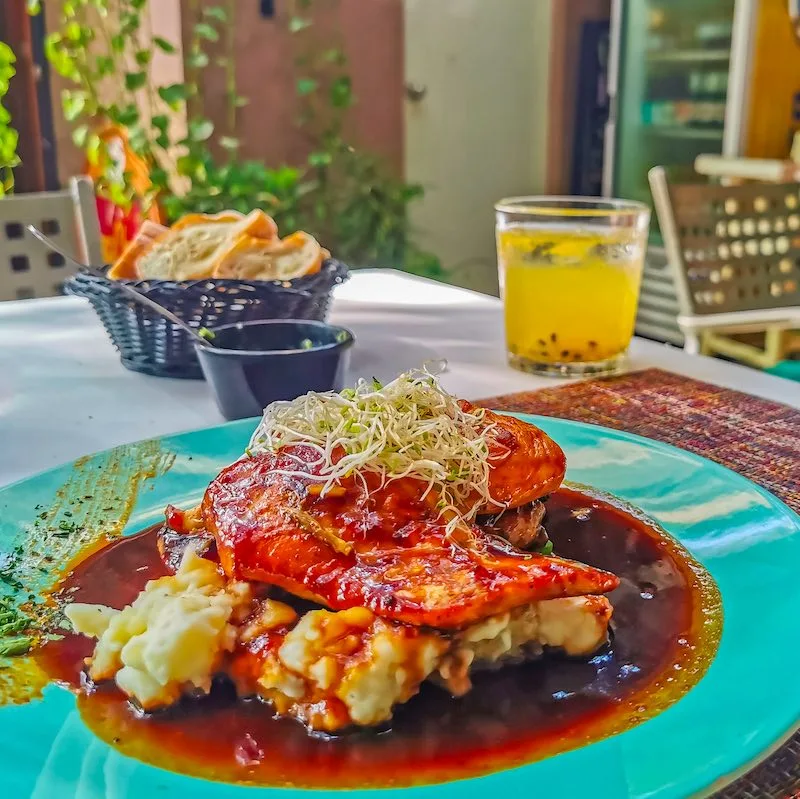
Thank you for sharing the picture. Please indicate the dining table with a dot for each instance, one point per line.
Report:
(64, 392)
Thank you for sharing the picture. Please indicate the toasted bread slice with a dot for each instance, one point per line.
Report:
(191, 248)
(254, 259)
(259, 224)
(124, 267)
(224, 217)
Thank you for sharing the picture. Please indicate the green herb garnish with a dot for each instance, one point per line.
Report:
(18, 645)
(9, 579)
(16, 625)
(306, 344)
(13, 622)
(207, 334)
(67, 528)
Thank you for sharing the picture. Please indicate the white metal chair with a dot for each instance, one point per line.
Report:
(69, 217)
(735, 254)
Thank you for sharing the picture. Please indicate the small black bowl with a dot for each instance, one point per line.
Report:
(254, 363)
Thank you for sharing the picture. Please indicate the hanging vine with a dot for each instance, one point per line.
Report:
(9, 138)
(342, 195)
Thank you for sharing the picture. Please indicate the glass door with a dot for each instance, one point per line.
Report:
(673, 84)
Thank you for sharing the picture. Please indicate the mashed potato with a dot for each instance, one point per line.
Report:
(171, 639)
(337, 669)
(576, 625)
(328, 669)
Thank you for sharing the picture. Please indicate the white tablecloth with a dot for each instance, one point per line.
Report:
(64, 393)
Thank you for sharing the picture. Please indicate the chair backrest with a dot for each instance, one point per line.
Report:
(732, 248)
(69, 217)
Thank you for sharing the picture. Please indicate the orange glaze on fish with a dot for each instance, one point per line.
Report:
(379, 548)
(525, 463)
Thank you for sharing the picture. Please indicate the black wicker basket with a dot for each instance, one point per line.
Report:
(151, 344)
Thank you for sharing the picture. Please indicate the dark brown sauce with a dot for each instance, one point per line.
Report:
(666, 628)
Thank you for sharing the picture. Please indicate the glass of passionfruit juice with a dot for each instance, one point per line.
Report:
(570, 270)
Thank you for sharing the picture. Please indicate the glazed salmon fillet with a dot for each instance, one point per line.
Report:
(525, 462)
(382, 548)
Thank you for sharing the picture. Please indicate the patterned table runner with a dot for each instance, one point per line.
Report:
(756, 438)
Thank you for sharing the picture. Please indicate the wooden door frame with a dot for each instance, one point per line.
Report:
(566, 20)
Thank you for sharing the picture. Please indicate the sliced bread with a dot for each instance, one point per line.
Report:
(191, 248)
(124, 268)
(250, 258)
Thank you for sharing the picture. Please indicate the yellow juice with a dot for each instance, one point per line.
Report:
(570, 295)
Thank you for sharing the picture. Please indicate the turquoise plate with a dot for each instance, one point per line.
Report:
(747, 703)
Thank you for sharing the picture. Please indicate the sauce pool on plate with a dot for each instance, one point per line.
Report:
(665, 632)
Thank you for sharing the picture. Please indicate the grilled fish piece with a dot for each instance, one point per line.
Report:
(372, 546)
(526, 464)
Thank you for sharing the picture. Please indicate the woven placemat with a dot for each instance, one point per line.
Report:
(756, 438)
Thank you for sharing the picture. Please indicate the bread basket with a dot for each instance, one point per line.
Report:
(150, 344)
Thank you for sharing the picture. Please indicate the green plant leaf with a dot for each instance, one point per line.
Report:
(160, 122)
(33, 7)
(205, 31)
(186, 165)
(174, 94)
(118, 195)
(126, 116)
(306, 86)
(216, 12)
(143, 57)
(159, 177)
(72, 32)
(7, 54)
(229, 143)
(241, 102)
(297, 24)
(335, 55)
(118, 43)
(320, 159)
(197, 59)
(59, 58)
(164, 45)
(138, 4)
(73, 103)
(104, 65)
(80, 136)
(200, 129)
(138, 140)
(94, 149)
(341, 92)
(130, 22)
(135, 80)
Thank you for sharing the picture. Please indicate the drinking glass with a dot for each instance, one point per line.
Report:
(570, 270)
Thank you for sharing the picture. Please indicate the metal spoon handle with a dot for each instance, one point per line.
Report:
(129, 291)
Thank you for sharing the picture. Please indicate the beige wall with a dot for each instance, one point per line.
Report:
(480, 132)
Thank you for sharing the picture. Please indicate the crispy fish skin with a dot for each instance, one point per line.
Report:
(395, 559)
(525, 463)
